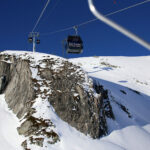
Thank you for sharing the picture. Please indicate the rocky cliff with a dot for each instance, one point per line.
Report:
(37, 84)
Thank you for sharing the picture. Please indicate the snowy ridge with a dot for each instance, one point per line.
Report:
(128, 83)
(132, 72)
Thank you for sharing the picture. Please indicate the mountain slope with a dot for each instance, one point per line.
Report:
(9, 138)
(132, 72)
(128, 84)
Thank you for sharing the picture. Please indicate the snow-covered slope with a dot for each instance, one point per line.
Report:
(128, 83)
(132, 72)
(9, 138)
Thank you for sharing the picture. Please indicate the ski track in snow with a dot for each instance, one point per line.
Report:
(115, 74)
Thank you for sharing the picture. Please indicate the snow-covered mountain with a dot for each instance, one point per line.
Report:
(127, 81)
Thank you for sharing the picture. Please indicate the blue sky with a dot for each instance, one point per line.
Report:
(19, 17)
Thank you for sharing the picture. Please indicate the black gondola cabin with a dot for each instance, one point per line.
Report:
(37, 41)
(74, 44)
(30, 39)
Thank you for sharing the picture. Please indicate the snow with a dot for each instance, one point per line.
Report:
(71, 139)
(131, 138)
(131, 75)
(116, 74)
(131, 72)
(9, 138)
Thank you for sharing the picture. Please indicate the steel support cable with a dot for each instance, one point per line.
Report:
(132, 6)
(52, 9)
(58, 31)
(117, 26)
(95, 19)
(40, 15)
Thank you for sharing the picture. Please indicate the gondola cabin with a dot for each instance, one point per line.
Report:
(30, 39)
(74, 44)
(37, 41)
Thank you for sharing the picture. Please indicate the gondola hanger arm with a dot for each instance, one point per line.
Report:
(116, 26)
(76, 29)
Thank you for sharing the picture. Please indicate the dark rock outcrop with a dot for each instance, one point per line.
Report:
(78, 100)
(4, 78)
(19, 90)
(74, 102)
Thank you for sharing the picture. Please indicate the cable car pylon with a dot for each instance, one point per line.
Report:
(34, 39)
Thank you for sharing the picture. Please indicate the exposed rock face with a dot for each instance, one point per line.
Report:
(76, 99)
(73, 103)
(4, 75)
(19, 92)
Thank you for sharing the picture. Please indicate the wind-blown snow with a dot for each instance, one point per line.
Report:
(127, 80)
